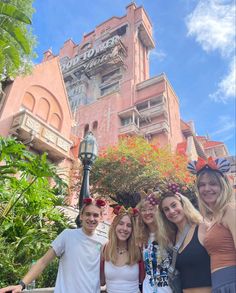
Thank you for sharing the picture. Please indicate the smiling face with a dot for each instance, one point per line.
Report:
(209, 189)
(90, 218)
(173, 210)
(124, 228)
(148, 212)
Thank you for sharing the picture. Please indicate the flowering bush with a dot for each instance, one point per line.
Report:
(123, 170)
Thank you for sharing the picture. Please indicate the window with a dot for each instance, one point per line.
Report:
(126, 121)
(95, 125)
(86, 129)
(142, 106)
(110, 75)
(155, 101)
(110, 88)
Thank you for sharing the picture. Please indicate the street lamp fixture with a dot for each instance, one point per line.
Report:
(88, 151)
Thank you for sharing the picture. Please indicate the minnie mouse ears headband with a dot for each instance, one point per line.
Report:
(118, 210)
(219, 165)
(98, 202)
(150, 196)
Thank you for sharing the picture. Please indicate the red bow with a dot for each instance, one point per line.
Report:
(201, 163)
(122, 210)
(98, 202)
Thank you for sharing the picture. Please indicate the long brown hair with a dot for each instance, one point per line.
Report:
(166, 229)
(110, 251)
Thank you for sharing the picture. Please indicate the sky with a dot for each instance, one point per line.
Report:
(195, 48)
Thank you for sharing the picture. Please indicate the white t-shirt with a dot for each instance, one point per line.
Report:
(156, 265)
(121, 279)
(79, 266)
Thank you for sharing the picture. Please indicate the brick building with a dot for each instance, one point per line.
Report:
(101, 85)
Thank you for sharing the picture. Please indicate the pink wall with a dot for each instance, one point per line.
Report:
(44, 84)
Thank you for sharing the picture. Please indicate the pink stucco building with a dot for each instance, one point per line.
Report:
(101, 85)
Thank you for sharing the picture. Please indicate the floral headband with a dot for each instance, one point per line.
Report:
(118, 210)
(98, 202)
(150, 196)
(220, 165)
(153, 198)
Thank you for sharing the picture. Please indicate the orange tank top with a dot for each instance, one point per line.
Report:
(219, 244)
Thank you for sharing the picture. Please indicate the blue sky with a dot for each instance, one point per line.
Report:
(195, 48)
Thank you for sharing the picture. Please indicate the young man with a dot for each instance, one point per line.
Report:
(79, 253)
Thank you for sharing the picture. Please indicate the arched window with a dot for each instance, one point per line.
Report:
(55, 121)
(86, 129)
(43, 109)
(95, 125)
(28, 102)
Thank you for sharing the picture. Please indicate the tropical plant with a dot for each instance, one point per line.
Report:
(16, 39)
(122, 171)
(29, 219)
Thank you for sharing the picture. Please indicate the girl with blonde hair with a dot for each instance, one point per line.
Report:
(120, 269)
(156, 260)
(175, 213)
(217, 204)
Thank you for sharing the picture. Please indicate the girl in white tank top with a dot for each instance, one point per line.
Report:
(121, 256)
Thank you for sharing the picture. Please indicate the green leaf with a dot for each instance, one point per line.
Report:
(13, 12)
(16, 33)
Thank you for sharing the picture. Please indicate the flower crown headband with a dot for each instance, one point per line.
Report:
(150, 196)
(118, 210)
(220, 165)
(154, 198)
(98, 202)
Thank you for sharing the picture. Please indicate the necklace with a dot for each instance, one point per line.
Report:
(121, 250)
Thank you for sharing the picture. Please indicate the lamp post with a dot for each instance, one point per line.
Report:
(88, 151)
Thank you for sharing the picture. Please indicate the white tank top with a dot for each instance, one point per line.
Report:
(121, 279)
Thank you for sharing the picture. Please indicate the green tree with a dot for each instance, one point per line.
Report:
(29, 219)
(16, 38)
(122, 171)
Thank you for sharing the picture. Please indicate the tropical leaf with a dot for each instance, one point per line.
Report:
(16, 33)
(13, 12)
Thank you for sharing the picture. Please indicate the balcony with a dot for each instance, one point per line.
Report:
(155, 128)
(32, 131)
(154, 111)
(131, 129)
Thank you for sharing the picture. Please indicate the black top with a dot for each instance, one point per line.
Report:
(193, 263)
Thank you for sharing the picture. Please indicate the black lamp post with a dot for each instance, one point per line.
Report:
(88, 151)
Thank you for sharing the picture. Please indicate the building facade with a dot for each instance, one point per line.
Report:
(101, 85)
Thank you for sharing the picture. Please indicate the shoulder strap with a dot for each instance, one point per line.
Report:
(102, 264)
(141, 271)
(176, 248)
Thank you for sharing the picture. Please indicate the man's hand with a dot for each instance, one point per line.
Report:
(12, 289)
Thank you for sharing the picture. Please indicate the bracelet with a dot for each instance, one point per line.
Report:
(22, 284)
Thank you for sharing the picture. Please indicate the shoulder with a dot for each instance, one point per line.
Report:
(97, 238)
(202, 227)
(229, 216)
(66, 234)
(202, 230)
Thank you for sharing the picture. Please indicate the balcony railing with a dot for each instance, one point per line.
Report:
(154, 111)
(43, 138)
(155, 128)
(131, 128)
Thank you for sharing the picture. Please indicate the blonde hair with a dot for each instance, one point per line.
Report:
(166, 229)
(110, 250)
(225, 197)
(142, 233)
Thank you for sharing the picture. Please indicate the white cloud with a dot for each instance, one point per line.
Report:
(226, 87)
(158, 54)
(212, 23)
(227, 125)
